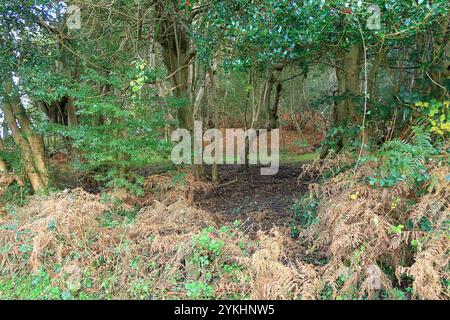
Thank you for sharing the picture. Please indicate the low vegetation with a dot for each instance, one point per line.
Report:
(92, 205)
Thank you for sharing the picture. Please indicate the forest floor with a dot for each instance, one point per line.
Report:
(165, 226)
(260, 202)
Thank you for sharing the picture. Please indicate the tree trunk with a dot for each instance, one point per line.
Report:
(441, 59)
(3, 168)
(177, 59)
(372, 78)
(62, 112)
(214, 169)
(177, 55)
(72, 119)
(352, 83)
(273, 112)
(5, 131)
(35, 141)
(345, 109)
(30, 144)
(372, 86)
(349, 86)
(38, 181)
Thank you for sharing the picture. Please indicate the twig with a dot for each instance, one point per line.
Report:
(363, 134)
(226, 183)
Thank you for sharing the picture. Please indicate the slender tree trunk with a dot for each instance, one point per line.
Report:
(372, 86)
(5, 131)
(256, 102)
(273, 112)
(3, 167)
(214, 169)
(294, 112)
(372, 78)
(267, 93)
(441, 50)
(339, 110)
(72, 119)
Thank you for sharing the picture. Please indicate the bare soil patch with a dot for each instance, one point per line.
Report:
(260, 201)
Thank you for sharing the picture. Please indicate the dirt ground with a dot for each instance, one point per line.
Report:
(259, 201)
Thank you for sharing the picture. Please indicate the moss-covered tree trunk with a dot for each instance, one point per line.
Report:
(31, 144)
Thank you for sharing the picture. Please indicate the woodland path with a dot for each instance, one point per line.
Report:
(260, 201)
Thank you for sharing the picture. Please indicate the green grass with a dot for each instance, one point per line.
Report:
(36, 287)
(29, 287)
(288, 158)
(285, 158)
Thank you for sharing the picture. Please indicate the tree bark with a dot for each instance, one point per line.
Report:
(372, 87)
(35, 141)
(348, 86)
(31, 145)
(5, 131)
(72, 119)
(3, 167)
(214, 169)
(345, 110)
(177, 54)
(372, 78)
(273, 112)
(352, 83)
(441, 50)
(271, 109)
(37, 179)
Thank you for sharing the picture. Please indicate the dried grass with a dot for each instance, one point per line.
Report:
(168, 190)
